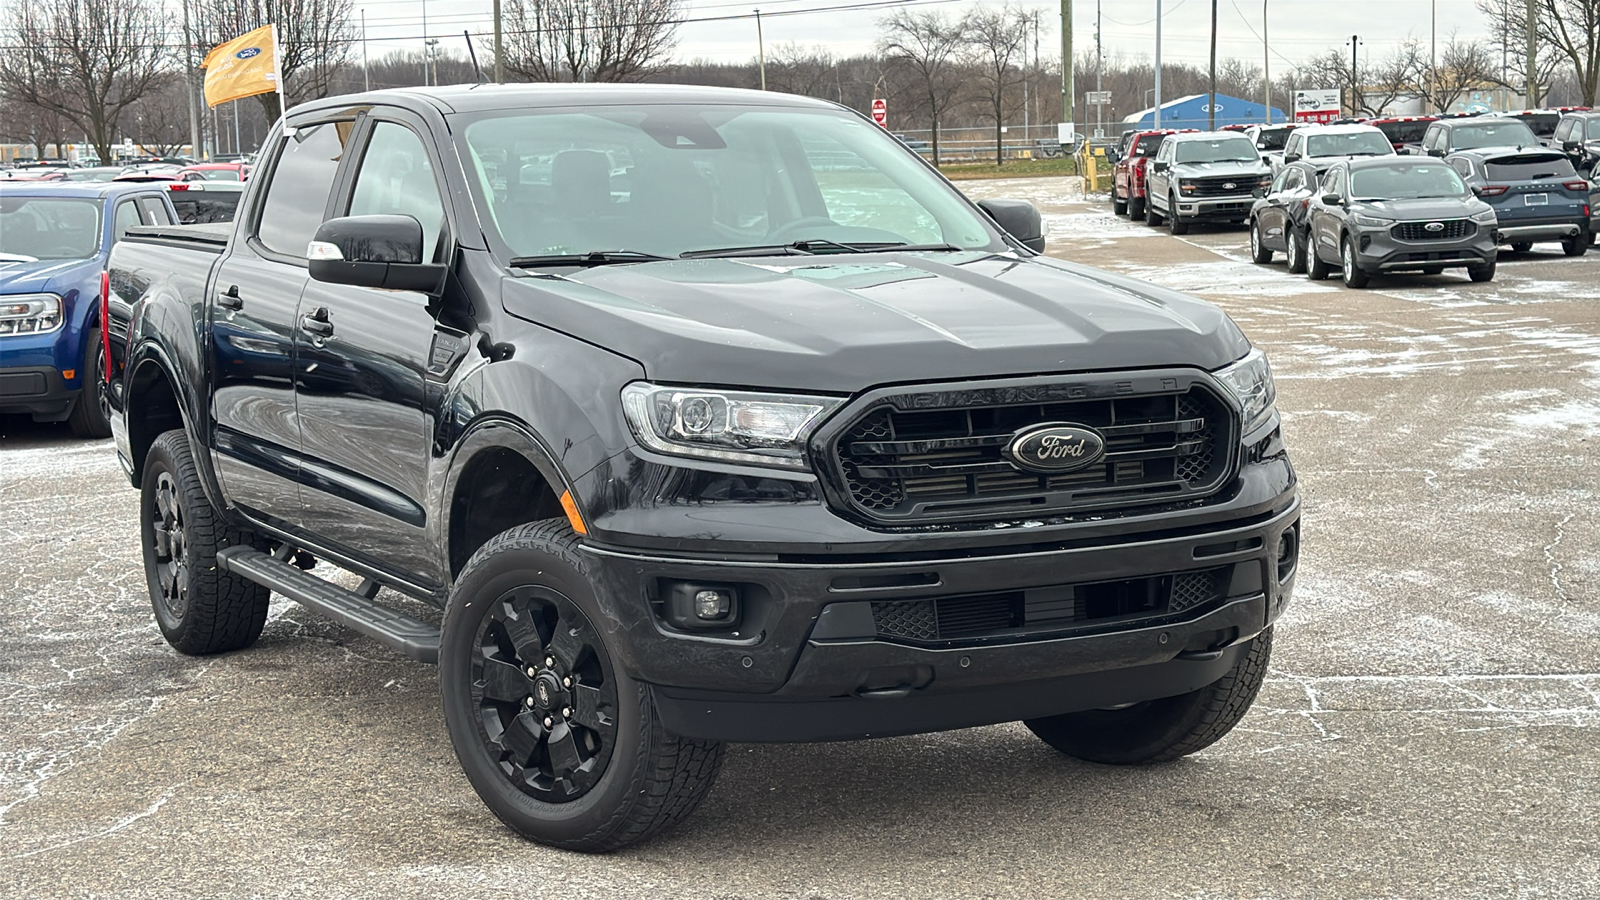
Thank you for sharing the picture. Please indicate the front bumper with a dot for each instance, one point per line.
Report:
(1215, 209)
(812, 660)
(39, 391)
(1379, 251)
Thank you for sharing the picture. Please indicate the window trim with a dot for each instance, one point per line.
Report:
(250, 220)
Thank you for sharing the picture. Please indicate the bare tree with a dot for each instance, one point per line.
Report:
(85, 60)
(1508, 37)
(159, 122)
(589, 40)
(794, 70)
(316, 38)
(1573, 26)
(1463, 66)
(996, 40)
(928, 44)
(1372, 87)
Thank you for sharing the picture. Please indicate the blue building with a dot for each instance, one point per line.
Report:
(1191, 112)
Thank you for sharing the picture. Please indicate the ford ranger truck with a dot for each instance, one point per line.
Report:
(702, 415)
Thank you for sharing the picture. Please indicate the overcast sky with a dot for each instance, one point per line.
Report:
(1297, 28)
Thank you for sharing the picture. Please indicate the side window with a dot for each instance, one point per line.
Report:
(300, 184)
(396, 178)
(1282, 182)
(155, 212)
(1294, 179)
(854, 191)
(1292, 145)
(127, 216)
(1462, 166)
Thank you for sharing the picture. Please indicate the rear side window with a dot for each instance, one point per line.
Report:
(301, 183)
(127, 216)
(1149, 144)
(396, 178)
(155, 212)
(1528, 167)
(196, 208)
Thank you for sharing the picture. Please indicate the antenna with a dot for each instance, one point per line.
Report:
(474, 54)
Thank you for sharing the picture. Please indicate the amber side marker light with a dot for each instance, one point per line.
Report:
(571, 509)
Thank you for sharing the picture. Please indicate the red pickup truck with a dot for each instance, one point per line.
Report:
(1135, 151)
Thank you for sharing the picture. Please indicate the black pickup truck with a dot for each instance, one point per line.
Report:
(702, 415)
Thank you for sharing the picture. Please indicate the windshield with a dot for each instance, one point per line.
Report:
(33, 228)
(1529, 167)
(1404, 132)
(1406, 181)
(1272, 138)
(1350, 143)
(1592, 130)
(1492, 134)
(1222, 149)
(672, 179)
(1542, 124)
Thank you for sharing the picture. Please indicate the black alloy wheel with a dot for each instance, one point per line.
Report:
(169, 549)
(545, 694)
(1178, 225)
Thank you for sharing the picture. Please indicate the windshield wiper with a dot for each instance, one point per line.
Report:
(592, 258)
(810, 246)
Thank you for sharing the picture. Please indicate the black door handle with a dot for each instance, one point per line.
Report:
(316, 322)
(230, 299)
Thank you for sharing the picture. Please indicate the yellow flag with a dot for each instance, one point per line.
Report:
(242, 67)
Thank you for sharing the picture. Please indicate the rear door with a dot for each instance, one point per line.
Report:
(256, 292)
(361, 369)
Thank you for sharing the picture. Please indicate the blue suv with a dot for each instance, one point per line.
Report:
(1536, 194)
(55, 238)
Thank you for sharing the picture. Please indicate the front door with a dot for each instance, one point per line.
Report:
(257, 290)
(362, 356)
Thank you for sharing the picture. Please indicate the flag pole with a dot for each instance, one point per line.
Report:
(277, 71)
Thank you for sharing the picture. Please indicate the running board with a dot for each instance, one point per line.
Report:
(413, 637)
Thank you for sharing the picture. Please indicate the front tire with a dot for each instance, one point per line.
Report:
(90, 418)
(1165, 729)
(1119, 206)
(199, 607)
(1482, 274)
(1259, 254)
(1354, 277)
(556, 739)
(1179, 226)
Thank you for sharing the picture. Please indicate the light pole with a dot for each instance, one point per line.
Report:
(761, 50)
(1158, 65)
(427, 45)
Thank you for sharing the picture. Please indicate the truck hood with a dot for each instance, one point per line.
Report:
(46, 275)
(1424, 208)
(840, 324)
(1208, 170)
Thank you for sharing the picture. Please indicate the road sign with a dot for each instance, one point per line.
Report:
(880, 112)
(1099, 98)
(1316, 105)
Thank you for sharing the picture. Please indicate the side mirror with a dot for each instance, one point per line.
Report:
(1332, 200)
(1291, 157)
(1018, 218)
(373, 251)
(1158, 165)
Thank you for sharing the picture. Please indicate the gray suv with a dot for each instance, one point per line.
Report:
(1398, 214)
(1206, 176)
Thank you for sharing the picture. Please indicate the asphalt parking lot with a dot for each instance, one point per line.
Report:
(1430, 727)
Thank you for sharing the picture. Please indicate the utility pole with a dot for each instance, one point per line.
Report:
(1266, 68)
(1433, 59)
(1099, 64)
(1533, 55)
(499, 54)
(1355, 41)
(1211, 104)
(1158, 65)
(1068, 101)
(761, 50)
(427, 48)
(188, 76)
(366, 71)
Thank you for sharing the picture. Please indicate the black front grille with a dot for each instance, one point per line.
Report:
(1452, 230)
(1220, 187)
(1048, 609)
(919, 464)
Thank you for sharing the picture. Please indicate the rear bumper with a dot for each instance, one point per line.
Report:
(39, 391)
(1547, 231)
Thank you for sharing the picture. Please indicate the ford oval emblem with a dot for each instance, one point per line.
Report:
(248, 52)
(1434, 226)
(1229, 186)
(1055, 447)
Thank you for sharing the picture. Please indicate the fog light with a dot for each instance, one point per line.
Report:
(1288, 553)
(712, 605)
(697, 606)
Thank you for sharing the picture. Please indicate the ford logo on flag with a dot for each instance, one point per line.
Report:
(248, 52)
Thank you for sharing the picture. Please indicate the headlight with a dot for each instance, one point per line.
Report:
(29, 313)
(1186, 186)
(1250, 379)
(1370, 221)
(732, 426)
(1487, 217)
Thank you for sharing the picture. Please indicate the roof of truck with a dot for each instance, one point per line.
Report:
(478, 97)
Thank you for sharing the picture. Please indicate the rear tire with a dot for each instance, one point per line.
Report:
(556, 739)
(1135, 207)
(199, 607)
(1577, 245)
(1165, 729)
(1521, 246)
(1119, 206)
(1151, 217)
(1259, 254)
(1296, 254)
(1351, 264)
(1316, 269)
(90, 418)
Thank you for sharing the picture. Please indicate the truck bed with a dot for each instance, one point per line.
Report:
(211, 236)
